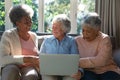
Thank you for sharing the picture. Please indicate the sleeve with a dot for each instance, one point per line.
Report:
(74, 49)
(103, 55)
(5, 51)
(36, 40)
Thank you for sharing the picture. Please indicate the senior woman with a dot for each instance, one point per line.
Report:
(18, 47)
(95, 51)
(60, 43)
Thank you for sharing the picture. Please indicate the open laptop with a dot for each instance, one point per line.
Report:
(59, 64)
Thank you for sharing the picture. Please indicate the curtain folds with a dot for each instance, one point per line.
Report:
(109, 11)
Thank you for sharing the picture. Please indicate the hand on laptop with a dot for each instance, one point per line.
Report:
(77, 75)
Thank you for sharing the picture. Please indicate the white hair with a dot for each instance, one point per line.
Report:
(66, 24)
(92, 20)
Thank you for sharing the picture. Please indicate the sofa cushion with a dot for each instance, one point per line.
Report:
(40, 39)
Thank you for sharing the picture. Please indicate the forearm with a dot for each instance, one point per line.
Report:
(11, 59)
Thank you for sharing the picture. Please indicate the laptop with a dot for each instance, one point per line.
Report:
(59, 64)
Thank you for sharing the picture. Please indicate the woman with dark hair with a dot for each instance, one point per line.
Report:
(19, 47)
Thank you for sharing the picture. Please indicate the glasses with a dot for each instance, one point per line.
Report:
(26, 20)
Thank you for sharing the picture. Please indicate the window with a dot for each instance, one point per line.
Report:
(84, 6)
(2, 15)
(45, 10)
(52, 8)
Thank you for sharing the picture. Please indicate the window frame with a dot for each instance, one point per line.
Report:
(73, 15)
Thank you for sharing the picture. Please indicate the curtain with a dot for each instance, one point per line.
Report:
(109, 11)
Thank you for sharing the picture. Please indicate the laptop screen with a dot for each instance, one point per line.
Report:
(58, 64)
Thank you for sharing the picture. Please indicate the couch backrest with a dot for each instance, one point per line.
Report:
(41, 37)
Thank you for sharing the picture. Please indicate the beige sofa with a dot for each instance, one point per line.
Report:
(41, 37)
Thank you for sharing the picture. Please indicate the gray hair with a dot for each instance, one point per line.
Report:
(66, 24)
(19, 11)
(92, 20)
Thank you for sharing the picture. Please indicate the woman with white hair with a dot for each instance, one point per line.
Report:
(60, 27)
(60, 43)
(95, 51)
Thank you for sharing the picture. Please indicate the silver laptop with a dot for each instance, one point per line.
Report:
(59, 64)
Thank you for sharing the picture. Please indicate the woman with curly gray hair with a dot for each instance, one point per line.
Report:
(19, 47)
(60, 43)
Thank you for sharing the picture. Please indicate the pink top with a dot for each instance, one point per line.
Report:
(28, 47)
(96, 55)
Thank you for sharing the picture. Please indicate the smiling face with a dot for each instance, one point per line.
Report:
(89, 33)
(24, 25)
(57, 30)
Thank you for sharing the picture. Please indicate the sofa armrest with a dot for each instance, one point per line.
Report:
(113, 41)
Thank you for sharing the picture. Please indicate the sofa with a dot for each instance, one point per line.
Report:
(42, 36)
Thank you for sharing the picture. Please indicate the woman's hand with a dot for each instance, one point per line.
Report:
(77, 75)
(31, 61)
